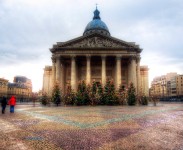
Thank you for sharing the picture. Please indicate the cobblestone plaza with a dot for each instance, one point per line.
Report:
(93, 128)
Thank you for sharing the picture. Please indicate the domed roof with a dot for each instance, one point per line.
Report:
(96, 25)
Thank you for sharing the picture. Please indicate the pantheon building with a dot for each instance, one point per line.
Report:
(95, 55)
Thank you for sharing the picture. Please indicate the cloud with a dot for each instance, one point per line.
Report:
(28, 28)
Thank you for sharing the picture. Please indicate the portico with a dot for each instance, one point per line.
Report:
(94, 67)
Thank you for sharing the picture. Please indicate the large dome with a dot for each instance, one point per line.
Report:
(96, 25)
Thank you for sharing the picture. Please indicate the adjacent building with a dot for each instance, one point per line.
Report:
(179, 85)
(169, 85)
(21, 88)
(3, 87)
(95, 55)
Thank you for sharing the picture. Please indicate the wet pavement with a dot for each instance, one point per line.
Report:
(93, 128)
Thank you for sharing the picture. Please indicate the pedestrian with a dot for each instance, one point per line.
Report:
(12, 103)
(57, 100)
(34, 99)
(3, 104)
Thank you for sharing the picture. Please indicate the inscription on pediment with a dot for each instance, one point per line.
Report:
(96, 42)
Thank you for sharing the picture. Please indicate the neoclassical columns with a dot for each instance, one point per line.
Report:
(53, 70)
(138, 76)
(132, 72)
(88, 69)
(60, 75)
(73, 73)
(58, 68)
(62, 80)
(118, 71)
(58, 71)
(103, 70)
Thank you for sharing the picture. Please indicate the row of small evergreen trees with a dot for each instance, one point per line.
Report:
(96, 94)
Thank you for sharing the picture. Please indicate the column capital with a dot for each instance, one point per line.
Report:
(57, 56)
(133, 57)
(118, 57)
(53, 59)
(138, 58)
(88, 57)
(103, 57)
(73, 56)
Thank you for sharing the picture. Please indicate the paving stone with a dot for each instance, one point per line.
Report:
(92, 128)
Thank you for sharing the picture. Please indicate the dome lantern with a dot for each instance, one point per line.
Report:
(96, 14)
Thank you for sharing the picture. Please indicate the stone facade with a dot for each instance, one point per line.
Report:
(3, 87)
(179, 85)
(21, 88)
(169, 85)
(95, 56)
(144, 80)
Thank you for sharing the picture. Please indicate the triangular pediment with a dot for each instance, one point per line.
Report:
(96, 40)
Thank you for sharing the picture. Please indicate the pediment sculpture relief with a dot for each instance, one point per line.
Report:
(96, 42)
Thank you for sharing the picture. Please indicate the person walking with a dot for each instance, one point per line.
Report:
(3, 104)
(12, 103)
(57, 100)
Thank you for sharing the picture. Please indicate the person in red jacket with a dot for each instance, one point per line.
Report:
(12, 103)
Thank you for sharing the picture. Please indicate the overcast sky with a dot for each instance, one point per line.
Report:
(28, 28)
